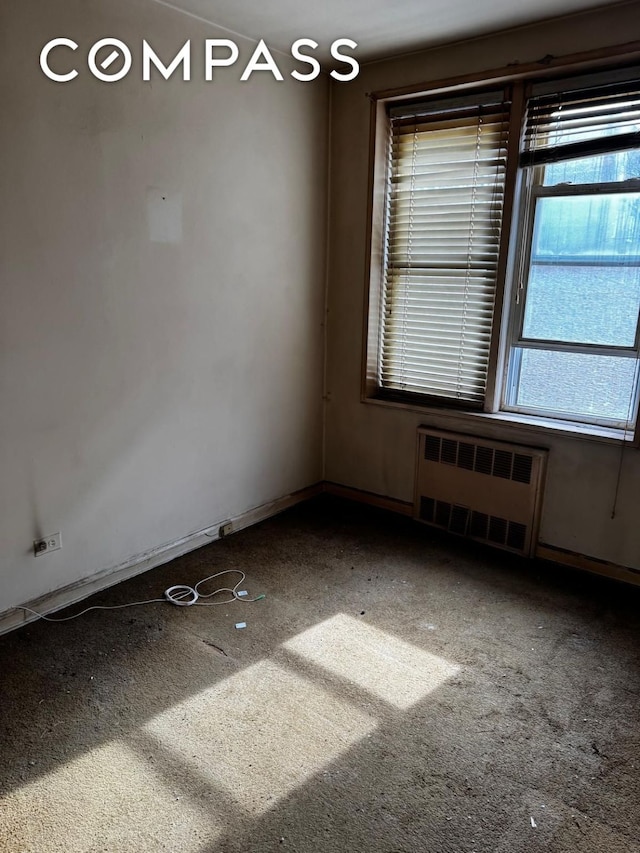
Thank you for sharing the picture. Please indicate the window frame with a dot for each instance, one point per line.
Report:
(504, 330)
(530, 190)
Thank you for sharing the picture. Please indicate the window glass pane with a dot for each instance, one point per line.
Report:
(574, 384)
(584, 276)
(598, 169)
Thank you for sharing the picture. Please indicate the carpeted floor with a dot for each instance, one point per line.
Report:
(396, 691)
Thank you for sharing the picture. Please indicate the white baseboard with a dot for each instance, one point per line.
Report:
(85, 587)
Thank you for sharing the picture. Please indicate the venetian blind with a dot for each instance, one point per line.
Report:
(565, 125)
(444, 215)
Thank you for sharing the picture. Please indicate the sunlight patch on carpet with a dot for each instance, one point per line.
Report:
(260, 734)
(393, 670)
(107, 799)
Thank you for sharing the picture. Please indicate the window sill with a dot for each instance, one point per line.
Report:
(459, 419)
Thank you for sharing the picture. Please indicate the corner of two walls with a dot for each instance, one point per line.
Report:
(163, 289)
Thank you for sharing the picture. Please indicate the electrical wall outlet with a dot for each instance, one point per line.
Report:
(226, 529)
(47, 544)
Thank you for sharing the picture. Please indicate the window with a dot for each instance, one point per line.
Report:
(561, 201)
(574, 348)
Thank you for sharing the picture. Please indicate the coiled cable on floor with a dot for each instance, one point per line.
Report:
(181, 595)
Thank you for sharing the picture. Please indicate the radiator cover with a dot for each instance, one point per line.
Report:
(482, 489)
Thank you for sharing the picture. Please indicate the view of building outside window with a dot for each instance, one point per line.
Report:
(583, 288)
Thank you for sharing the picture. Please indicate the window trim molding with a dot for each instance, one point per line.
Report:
(374, 273)
(460, 419)
(547, 67)
(506, 260)
(521, 77)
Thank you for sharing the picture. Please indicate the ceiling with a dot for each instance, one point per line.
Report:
(380, 27)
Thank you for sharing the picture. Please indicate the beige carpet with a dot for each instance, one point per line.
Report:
(396, 691)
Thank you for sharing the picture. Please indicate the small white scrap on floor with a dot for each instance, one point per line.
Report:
(241, 625)
(533, 823)
(242, 593)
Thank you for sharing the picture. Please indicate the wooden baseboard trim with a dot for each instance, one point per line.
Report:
(587, 564)
(85, 587)
(81, 589)
(543, 551)
(370, 498)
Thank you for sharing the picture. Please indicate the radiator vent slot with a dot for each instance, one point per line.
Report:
(480, 488)
(443, 514)
(517, 535)
(498, 530)
(521, 468)
(479, 525)
(479, 458)
(432, 448)
(459, 520)
(484, 460)
(466, 455)
(502, 464)
(427, 509)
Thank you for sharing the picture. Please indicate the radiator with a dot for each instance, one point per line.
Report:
(482, 489)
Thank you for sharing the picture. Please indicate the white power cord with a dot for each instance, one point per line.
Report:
(181, 595)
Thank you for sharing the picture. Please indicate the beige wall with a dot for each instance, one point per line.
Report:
(373, 448)
(151, 389)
